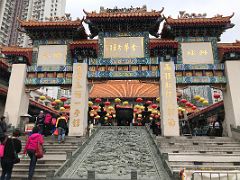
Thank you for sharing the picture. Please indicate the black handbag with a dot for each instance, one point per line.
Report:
(16, 159)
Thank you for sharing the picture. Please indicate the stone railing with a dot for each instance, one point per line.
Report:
(235, 132)
(211, 175)
(70, 158)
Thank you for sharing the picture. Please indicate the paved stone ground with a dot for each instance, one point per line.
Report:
(114, 152)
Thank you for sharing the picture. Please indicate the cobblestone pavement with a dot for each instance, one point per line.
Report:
(114, 152)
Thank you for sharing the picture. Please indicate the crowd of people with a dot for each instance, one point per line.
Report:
(47, 124)
(11, 145)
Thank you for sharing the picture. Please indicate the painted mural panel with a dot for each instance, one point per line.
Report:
(197, 53)
(52, 55)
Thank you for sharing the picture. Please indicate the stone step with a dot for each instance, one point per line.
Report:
(199, 141)
(39, 166)
(200, 144)
(24, 177)
(189, 138)
(56, 146)
(43, 161)
(202, 147)
(198, 157)
(61, 150)
(204, 163)
(207, 151)
(204, 167)
(37, 172)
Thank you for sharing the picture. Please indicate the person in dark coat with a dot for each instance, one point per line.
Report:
(40, 122)
(13, 146)
(146, 115)
(154, 127)
(3, 124)
(102, 114)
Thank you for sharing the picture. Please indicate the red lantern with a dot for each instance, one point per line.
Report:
(183, 101)
(107, 103)
(98, 100)
(139, 100)
(154, 106)
(66, 106)
(149, 102)
(118, 106)
(63, 99)
(53, 103)
(194, 108)
(157, 116)
(216, 95)
(95, 107)
(188, 104)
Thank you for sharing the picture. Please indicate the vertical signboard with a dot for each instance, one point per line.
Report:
(79, 100)
(168, 102)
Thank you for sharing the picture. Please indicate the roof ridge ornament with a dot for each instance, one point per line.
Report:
(67, 17)
(184, 15)
(123, 10)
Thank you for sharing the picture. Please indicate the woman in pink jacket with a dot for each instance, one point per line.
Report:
(30, 148)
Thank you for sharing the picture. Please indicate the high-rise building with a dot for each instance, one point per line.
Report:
(6, 20)
(10, 10)
(41, 10)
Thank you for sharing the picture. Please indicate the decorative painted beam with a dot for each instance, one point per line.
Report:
(48, 81)
(201, 80)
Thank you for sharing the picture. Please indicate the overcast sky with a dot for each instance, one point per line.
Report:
(172, 8)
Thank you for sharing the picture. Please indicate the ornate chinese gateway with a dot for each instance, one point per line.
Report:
(125, 44)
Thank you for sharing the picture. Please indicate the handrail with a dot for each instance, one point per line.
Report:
(215, 175)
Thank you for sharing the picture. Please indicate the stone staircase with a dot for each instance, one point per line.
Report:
(56, 154)
(199, 153)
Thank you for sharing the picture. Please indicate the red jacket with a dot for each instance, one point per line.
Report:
(32, 142)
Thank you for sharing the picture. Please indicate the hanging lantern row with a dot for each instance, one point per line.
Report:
(201, 99)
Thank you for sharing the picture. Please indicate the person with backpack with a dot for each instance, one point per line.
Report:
(47, 124)
(32, 144)
(61, 126)
(12, 146)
